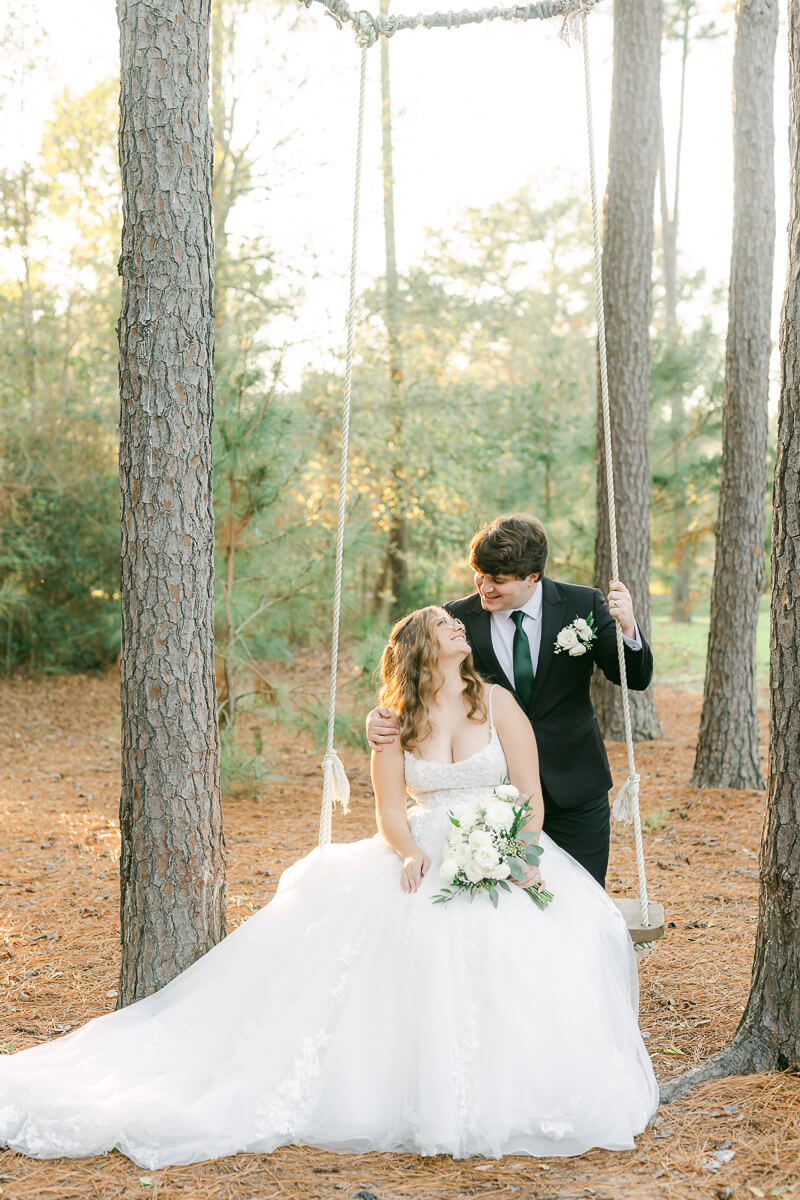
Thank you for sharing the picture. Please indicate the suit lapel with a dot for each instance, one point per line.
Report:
(553, 607)
(481, 639)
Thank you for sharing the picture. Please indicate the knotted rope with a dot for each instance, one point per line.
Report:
(369, 28)
(626, 804)
(334, 780)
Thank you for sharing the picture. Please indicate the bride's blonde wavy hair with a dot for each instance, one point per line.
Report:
(409, 674)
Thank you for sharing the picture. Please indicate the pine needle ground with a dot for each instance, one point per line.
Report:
(59, 930)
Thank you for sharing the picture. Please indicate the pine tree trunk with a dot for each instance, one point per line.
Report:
(173, 860)
(396, 566)
(627, 265)
(768, 1037)
(727, 748)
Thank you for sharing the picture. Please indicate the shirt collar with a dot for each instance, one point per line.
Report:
(532, 608)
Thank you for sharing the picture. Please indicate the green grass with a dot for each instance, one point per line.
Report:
(680, 650)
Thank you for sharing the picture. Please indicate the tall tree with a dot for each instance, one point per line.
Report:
(768, 1036)
(394, 571)
(727, 747)
(173, 857)
(627, 265)
(677, 23)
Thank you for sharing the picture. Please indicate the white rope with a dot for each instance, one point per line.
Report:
(335, 787)
(626, 804)
(369, 28)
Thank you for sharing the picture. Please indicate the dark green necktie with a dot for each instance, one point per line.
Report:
(523, 667)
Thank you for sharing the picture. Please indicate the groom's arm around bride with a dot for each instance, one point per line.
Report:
(541, 639)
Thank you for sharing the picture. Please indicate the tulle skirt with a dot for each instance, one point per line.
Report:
(348, 1015)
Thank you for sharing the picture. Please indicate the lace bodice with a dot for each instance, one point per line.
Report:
(440, 785)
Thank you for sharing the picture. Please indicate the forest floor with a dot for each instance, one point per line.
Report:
(59, 929)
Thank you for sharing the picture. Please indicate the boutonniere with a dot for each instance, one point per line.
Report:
(577, 637)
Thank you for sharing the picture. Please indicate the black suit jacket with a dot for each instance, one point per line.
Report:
(573, 763)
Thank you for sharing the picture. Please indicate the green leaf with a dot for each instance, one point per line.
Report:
(517, 868)
(532, 855)
(453, 821)
(505, 886)
(493, 895)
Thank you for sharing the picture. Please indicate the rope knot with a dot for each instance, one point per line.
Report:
(335, 781)
(626, 800)
(365, 28)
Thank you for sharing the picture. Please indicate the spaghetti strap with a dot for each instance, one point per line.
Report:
(491, 698)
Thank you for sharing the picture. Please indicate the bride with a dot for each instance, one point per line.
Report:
(353, 1013)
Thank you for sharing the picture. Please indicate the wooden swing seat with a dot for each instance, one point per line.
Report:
(632, 912)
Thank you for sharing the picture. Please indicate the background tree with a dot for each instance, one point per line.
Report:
(255, 456)
(172, 862)
(682, 26)
(59, 540)
(768, 1036)
(392, 581)
(728, 743)
(627, 266)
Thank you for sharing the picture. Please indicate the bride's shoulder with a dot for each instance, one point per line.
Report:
(504, 704)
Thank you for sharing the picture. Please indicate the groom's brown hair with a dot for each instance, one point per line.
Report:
(514, 544)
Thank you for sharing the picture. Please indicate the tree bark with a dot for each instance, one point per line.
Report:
(627, 266)
(172, 866)
(768, 1037)
(727, 748)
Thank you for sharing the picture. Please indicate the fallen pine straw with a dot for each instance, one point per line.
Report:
(59, 935)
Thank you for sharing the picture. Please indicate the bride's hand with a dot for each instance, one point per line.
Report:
(414, 867)
(532, 879)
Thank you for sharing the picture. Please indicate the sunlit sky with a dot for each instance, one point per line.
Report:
(478, 113)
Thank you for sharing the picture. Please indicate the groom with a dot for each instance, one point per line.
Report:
(515, 622)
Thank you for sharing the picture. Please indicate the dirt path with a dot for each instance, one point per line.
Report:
(59, 929)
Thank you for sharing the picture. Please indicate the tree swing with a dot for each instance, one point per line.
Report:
(644, 918)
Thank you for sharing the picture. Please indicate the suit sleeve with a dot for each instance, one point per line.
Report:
(638, 663)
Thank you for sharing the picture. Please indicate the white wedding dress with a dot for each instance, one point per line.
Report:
(349, 1015)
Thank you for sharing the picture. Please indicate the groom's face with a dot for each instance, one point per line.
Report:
(500, 593)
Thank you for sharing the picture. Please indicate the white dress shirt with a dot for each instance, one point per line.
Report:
(503, 630)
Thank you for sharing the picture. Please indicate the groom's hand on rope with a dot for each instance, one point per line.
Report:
(620, 605)
(382, 728)
(414, 867)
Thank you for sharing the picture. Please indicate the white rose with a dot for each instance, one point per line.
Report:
(583, 629)
(467, 816)
(499, 814)
(480, 839)
(501, 871)
(460, 853)
(567, 639)
(448, 871)
(574, 651)
(507, 791)
(487, 860)
(473, 872)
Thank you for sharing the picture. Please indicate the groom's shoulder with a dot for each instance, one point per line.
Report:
(467, 604)
(575, 593)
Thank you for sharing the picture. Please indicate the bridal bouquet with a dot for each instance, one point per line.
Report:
(487, 846)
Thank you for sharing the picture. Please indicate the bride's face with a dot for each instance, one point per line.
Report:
(451, 638)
